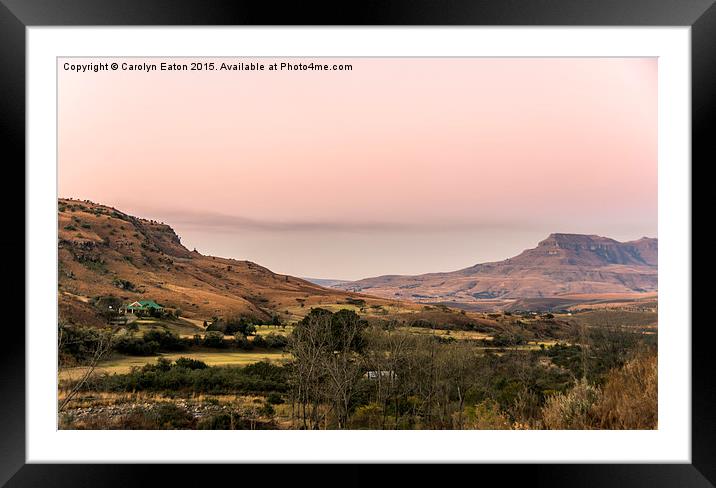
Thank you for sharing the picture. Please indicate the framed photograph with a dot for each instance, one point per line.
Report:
(416, 233)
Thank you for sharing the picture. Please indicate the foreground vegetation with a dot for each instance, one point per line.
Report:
(341, 372)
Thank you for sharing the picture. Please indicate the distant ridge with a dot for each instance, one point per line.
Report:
(324, 281)
(560, 265)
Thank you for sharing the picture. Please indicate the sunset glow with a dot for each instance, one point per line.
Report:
(399, 166)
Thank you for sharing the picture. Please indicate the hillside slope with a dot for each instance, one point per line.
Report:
(103, 251)
(560, 265)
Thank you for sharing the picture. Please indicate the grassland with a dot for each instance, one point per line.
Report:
(190, 328)
(120, 363)
(181, 327)
(455, 334)
(263, 330)
(617, 317)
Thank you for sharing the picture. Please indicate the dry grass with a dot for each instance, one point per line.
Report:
(622, 318)
(263, 330)
(102, 398)
(142, 410)
(123, 364)
(181, 327)
(572, 410)
(630, 396)
(455, 334)
(627, 401)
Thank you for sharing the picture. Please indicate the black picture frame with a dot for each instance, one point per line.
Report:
(17, 15)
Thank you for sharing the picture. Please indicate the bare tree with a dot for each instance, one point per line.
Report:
(386, 359)
(341, 362)
(462, 374)
(308, 343)
(327, 365)
(101, 348)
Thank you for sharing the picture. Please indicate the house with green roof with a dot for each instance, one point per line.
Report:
(144, 306)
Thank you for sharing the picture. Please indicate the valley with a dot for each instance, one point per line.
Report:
(153, 335)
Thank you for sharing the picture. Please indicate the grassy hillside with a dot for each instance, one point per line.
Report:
(103, 252)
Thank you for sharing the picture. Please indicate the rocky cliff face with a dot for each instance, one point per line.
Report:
(585, 250)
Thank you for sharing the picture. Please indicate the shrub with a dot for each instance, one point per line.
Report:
(189, 363)
(162, 377)
(242, 342)
(150, 343)
(276, 341)
(107, 306)
(153, 312)
(501, 339)
(136, 346)
(162, 364)
(274, 399)
(368, 417)
(260, 342)
(170, 416)
(267, 410)
(486, 415)
(228, 421)
(222, 421)
(215, 327)
(572, 410)
(232, 325)
(167, 340)
(265, 370)
(123, 284)
(214, 339)
(78, 344)
(250, 329)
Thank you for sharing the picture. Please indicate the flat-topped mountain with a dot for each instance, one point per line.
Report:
(586, 250)
(560, 265)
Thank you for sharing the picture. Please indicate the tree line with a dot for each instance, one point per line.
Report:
(347, 374)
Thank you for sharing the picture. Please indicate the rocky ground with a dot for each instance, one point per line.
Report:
(109, 412)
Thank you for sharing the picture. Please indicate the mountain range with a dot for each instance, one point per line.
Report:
(103, 251)
(562, 265)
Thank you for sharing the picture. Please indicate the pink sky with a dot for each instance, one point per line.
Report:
(402, 165)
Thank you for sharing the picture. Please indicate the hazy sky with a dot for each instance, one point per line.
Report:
(402, 165)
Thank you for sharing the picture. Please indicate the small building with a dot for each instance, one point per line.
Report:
(143, 306)
(374, 375)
